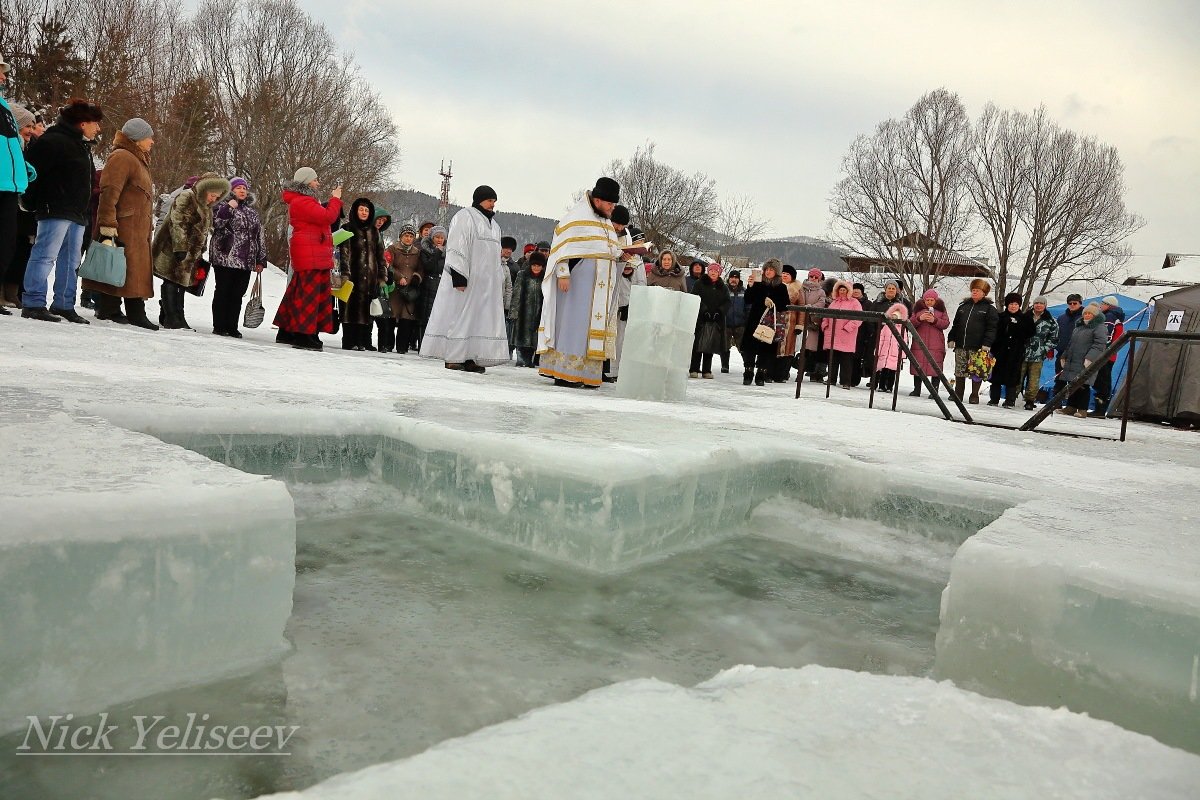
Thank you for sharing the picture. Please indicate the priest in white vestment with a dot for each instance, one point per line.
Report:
(579, 319)
(466, 324)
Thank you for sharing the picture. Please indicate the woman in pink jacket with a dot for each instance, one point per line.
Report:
(930, 319)
(841, 335)
(887, 359)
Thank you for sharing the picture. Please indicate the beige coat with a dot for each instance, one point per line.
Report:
(127, 204)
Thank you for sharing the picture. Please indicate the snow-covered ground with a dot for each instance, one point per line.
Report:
(1083, 575)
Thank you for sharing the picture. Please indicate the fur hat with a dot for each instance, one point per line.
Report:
(815, 274)
(537, 258)
(981, 285)
(898, 311)
(78, 111)
(1012, 297)
(788, 269)
(1040, 299)
(859, 287)
(437, 230)
(482, 194)
(840, 284)
(509, 242)
(305, 175)
(1094, 310)
(1111, 300)
(620, 215)
(607, 189)
(210, 182)
(22, 115)
(772, 263)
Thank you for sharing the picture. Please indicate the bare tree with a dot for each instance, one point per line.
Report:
(738, 224)
(672, 207)
(998, 181)
(1075, 216)
(903, 199)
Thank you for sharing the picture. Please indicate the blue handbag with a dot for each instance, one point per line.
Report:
(104, 264)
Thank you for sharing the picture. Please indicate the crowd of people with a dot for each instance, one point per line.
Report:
(457, 294)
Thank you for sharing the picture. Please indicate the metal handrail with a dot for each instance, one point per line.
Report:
(879, 316)
(1128, 337)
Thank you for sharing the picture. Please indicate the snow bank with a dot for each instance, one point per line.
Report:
(127, 566)
(772, 733)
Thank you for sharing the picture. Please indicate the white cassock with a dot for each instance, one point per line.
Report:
(469, 325)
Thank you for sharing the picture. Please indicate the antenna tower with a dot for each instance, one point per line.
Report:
(443, 211)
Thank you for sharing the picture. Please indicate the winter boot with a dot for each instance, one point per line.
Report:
(974, 398)
(916, 392)
(109, 308)
(960, 386)
(1010, 396)
(747, 378)
(1100, 408)
(725, 361)
(137, 313)
(760, 378)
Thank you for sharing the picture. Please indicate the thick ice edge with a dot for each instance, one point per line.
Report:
(771, 733)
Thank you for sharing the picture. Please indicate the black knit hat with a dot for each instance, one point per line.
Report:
(607, 189)
(789, 270)
(734, 273)
(619, 215)
(483, 193)
(860, 287)
(509, 242)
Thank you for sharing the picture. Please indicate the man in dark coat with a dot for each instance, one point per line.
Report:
(60, 197)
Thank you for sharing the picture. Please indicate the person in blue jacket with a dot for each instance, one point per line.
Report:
(15, 176)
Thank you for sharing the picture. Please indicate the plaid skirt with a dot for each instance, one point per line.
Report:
(307, 306)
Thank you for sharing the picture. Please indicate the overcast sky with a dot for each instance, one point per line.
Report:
(535, 97)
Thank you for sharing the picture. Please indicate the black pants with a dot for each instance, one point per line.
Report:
(763, 362)
(1081, 398)
(887, 380)
(227, 297)
(528, 357)
(8, 229)
(406, 335)
(354, 335)
(843, 366)
(385, 329)
(1006, 372)
(1103, 385)
(697, 358)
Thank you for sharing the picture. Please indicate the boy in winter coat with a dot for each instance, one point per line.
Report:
(1039, 347)
(1013, 332)
(887, 362)
(973, 330)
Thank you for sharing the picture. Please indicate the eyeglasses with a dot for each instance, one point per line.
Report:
(1074, 303)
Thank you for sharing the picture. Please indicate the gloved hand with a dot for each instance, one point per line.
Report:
(180, 255)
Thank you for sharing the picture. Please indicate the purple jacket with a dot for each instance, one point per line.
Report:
(237, 236)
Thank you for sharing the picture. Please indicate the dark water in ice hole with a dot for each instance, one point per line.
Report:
(407, 633)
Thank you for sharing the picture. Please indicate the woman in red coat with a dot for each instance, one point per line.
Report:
(306, 309)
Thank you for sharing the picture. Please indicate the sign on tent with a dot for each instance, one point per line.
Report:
(1175, 320)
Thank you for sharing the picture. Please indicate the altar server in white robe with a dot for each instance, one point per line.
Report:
(466, 324)
(629, 274)
(578, 328)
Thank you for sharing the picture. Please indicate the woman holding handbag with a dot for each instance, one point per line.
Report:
(766, 307)
(178, 246)
(237, 249)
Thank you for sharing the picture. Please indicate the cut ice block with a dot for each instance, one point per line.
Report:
(771, 733)
(131, 567)
(1099, 621)
(658, 344)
